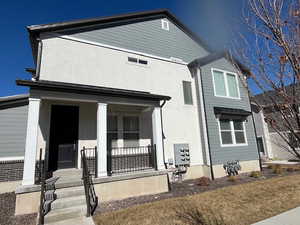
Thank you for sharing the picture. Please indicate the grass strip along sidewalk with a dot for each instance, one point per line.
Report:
(237, 205)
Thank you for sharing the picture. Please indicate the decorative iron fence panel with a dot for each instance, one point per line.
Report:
(91, 156)
(131, 159)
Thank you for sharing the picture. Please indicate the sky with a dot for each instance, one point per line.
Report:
(215, 21)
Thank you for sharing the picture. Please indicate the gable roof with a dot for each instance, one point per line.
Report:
(36, 30)
(218, 55)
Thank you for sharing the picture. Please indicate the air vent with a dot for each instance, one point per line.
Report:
(138, 61)
(164, 24)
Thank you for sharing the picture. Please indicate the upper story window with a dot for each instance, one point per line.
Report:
(187, 92)
(137, 61)
(165, 24)
(232, 132)
(225, 84)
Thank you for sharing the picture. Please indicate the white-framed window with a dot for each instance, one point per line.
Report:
(225, 84)
(187, 92)
(165, 24)
(232, 132)
(131, 131)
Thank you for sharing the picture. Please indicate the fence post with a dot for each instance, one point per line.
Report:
(154, 157)
(96, 162)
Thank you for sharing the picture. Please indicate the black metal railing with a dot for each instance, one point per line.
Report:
(91, 197)
(131, 159)
(42, 179)
(91, 155)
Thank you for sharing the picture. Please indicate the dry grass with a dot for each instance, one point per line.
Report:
(238, 205)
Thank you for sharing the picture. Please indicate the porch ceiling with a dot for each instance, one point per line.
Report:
(89, 89)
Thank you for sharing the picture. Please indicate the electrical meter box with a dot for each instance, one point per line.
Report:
(182, 154)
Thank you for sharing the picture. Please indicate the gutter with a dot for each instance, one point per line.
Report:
(162, 129)
(38, 60)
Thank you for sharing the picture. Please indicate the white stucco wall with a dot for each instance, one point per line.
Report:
(75, 62)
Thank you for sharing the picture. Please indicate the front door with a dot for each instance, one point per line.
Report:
(63, 137)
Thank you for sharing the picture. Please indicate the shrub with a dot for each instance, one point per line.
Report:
(277, 169)
(190, 214)
(233, 179)
(290, 169)
(204, 181)
(255, 174)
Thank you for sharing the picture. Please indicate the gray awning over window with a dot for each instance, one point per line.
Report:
(230, 113)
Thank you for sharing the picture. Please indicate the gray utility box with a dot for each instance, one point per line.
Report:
(182, 154)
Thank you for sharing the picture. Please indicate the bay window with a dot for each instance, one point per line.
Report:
(225, 84)
(232, 132)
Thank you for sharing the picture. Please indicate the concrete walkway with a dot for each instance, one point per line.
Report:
(291, 217)
(75, 221)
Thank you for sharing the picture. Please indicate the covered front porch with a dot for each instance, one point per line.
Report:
(120, 132)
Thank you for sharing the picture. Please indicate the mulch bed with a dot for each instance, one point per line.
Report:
(189, 187)
(7, 212)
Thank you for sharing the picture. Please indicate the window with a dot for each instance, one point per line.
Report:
(165, 24)
(225, 84)
(137, 61)
(187, 92)
(131, 131)
(133, 60)
(112, 131)
(232, 132)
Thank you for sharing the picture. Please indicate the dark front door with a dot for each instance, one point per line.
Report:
(63, 137)
(260, 145)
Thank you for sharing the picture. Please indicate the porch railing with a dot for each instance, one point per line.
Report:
(91, 156)
(90, 194)
(131, 159)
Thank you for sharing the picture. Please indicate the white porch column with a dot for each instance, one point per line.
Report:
(157, 137)
(31, 141)
(102, 139)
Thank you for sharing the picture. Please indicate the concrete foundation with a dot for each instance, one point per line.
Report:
(247, 166)
(27, 203)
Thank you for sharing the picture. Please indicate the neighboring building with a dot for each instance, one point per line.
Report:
(271, 144)
(120, 83)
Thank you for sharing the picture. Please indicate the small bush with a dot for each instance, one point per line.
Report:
(255, 174)
(290, 169)
(233, 179)
(204, 181)
(190, 214)
(277, 169)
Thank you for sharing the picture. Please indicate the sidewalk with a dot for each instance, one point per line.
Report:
(291, 217)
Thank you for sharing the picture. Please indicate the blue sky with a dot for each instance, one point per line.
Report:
(212, 20)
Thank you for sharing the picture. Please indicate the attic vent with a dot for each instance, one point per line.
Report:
(164, 24)
(137, 61)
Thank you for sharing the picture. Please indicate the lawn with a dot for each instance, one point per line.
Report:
(241, 204)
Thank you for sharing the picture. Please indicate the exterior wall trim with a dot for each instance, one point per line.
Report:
(15, 158)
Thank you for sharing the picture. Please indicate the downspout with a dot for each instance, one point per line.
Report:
(38, 60)
(255, 133)
(204, 106)
(162, 130)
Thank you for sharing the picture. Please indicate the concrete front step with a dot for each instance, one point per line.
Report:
(67, 202)
(69, 192)
(59, 215)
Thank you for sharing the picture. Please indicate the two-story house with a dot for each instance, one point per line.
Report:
(142, 91)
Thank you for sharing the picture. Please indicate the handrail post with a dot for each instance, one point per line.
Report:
(42, 197)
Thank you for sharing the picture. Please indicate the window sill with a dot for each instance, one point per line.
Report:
(233, 98)
(234, 145)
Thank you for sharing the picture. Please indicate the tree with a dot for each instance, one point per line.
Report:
(270, 49)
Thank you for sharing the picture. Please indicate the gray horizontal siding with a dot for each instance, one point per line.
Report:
(13, 122)
(147, 37)
(220, 154)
